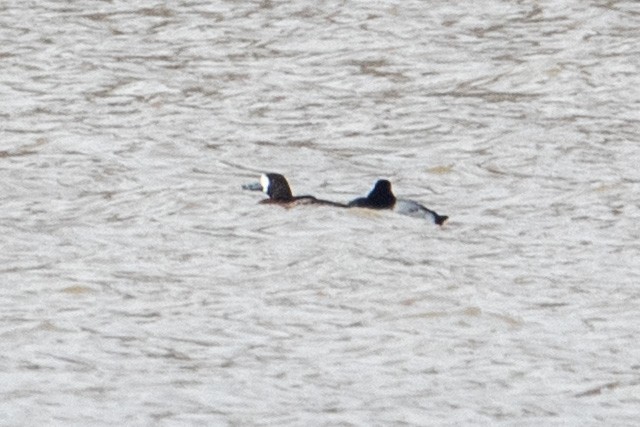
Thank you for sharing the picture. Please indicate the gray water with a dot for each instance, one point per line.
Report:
(141, 286)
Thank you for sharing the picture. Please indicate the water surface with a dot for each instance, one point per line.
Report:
(141, 286)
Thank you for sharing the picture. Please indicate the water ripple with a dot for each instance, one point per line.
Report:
(142, 285)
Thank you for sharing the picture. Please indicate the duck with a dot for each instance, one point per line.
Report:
(276, 186)
(382, 197)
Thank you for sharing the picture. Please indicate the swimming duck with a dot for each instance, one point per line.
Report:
(277, 188)
(381, 197)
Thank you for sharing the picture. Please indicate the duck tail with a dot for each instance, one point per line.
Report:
(440, 219)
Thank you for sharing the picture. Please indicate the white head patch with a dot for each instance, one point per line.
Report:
(264, 182)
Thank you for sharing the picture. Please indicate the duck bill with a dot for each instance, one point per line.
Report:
(254, 186)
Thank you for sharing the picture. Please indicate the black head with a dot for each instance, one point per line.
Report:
(276, 186)
(380, 197)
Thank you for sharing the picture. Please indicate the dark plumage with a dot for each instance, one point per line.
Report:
(277, 188)
(381, 197)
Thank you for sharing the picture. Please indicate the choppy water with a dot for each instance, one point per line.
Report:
(141, 286)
